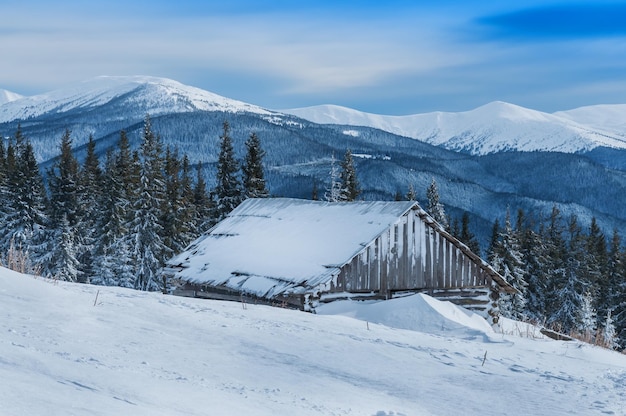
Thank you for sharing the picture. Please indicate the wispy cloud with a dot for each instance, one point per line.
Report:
(308, 54)
(398, 57)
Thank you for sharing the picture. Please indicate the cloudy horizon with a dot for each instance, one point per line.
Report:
(403, 57)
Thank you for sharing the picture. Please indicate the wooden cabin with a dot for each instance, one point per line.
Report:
(300, 253)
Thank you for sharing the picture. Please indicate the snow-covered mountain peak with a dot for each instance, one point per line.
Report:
(8, 96)
(493, 127)
(602, 116)
(508, 111)
(149, 94)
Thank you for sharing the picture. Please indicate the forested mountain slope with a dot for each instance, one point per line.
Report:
(299, 152)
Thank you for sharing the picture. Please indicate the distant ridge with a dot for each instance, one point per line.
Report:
(492, 128)
(582, 170)
(150, 94)
(495, 127)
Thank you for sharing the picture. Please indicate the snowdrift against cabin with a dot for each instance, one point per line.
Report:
(302, 252)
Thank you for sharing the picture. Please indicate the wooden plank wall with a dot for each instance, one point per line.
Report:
(410, 255)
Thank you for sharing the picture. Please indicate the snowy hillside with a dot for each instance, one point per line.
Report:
(70, 349)
(494, 127)
(153, 95)
(8, 96)
(602, 117)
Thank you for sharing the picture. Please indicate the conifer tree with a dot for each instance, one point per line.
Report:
(568, 287)
(609, 332)
(203, 206)
(350, 189)
(228, 189)
(89, 196)
(467, 237)
(124, 174)
(178, 215)
(587, 318)
(65, 215)
(66, 266)
(555, 265)
(597, 267)
(24, 200)
(411, 195)
(253, 173)
(4, 194)
(617, 288)
(3, 163)
(509, 264)
(112, 259)
(455, 229)
(189, 228)
(533, 251)
(148, 249)
(492, 250)
(435, 207)
(333, 192)
(171, 220)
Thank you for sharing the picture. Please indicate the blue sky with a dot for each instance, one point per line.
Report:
(402, 57)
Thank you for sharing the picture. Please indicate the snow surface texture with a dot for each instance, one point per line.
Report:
(161, 95)
(494, 127)
(71, 349)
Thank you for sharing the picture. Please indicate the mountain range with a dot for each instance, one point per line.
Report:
(485, 161)
(494, 127)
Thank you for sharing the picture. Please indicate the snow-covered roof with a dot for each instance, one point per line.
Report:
(270, 246)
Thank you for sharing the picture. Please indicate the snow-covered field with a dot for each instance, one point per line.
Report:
(137, 353)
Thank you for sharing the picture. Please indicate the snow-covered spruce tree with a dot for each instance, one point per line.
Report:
(228, 190)
(435, 207)
(617, 277)
(333, 192)
(178, 215)
(494, 242)
(609, 332)
(89, 197)
(533, 251)
(67, 266)
(467, 237)
(203, 205)
(410, 194)
(253, 173)
(189, 230)
(24, 201)
(588, 318)
(4, 195)
(597, 267)
(509, 264)
(65, 240)
(350, 189)
(555, 258)
(148, 249)
(568, 287)
(112, 265)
